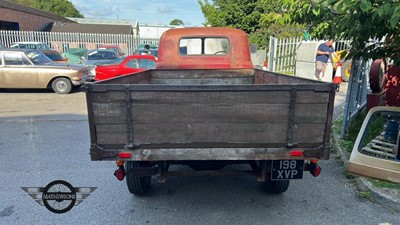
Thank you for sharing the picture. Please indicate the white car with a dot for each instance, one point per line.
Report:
(30, 45)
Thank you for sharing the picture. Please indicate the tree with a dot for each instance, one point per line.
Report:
(62, 8)
(359, 21)
(176, 22)
(246, 15)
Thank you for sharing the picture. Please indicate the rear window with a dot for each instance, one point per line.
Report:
(204, 46)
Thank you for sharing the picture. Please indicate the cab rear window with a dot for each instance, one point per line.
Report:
(204, 46)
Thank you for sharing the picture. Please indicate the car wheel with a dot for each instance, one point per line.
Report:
(62, 85)
(138, 186)
(377, 75)
(276, 186)
(346, 70)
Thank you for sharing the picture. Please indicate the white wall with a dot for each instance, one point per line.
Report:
(305, 61)
(153, 31)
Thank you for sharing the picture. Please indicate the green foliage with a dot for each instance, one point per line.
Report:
(359, 21)
(247, 15)
(355, 20)
(383, 184)
(62, 8)
(176, 22)
(367, 195)
(244, 15)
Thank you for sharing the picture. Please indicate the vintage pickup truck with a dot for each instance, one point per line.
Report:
(206, 107)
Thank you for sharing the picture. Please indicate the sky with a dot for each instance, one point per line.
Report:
(151, 12)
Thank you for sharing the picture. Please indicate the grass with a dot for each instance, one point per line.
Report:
(365, 194)
(382, 184)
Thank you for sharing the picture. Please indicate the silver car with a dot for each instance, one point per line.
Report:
(28, 68)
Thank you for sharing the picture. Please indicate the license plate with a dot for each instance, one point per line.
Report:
(287, 169)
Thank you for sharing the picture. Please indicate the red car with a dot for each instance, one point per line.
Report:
(125, 65)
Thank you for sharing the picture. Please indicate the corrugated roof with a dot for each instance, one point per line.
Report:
(133, 23)
(30, 10)
(91, 28)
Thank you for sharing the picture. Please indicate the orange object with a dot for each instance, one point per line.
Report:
(338, 75)
(120, 162)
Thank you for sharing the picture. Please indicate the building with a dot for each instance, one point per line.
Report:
(154, 31)
(14, 16)
(134, 25)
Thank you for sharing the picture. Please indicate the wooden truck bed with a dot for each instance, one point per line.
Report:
(209, 115)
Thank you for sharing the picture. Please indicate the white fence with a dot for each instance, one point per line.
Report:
(63, 41)
(282, 53)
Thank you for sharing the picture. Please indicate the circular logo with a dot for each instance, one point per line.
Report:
(59, 196)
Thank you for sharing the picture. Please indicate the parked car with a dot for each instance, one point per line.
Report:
(125, 65)
(100, 56)
(75, 55)
(54, 55)
(153, 49)
(89, 57)
(30, 45)
(29, 68)
(115, 48)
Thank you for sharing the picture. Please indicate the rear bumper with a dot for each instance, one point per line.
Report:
(183, 154)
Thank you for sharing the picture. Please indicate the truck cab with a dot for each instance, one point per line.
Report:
(204, 48)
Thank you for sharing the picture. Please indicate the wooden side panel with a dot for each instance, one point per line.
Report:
(207, 117)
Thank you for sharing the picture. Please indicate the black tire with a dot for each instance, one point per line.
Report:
(61, 85)
(276, 186)
(138, 186)
(346, 70)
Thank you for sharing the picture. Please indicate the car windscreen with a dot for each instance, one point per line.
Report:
(38, 58)
(54, 56)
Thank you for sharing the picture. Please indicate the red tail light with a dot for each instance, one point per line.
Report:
(120, 173)
(296, 153)
(124, 155)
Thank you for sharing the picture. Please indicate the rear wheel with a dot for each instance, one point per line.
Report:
(137, 185)
(276, 186)
(62, 85)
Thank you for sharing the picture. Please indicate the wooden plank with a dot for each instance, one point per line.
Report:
(211, 154)
(203, 81)
(209, 113)
(112, 134)
(311, 113)
(202, 73)
(312, 97)
(110, 113)
(211, 132)
(211, 97)
(309, 133)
